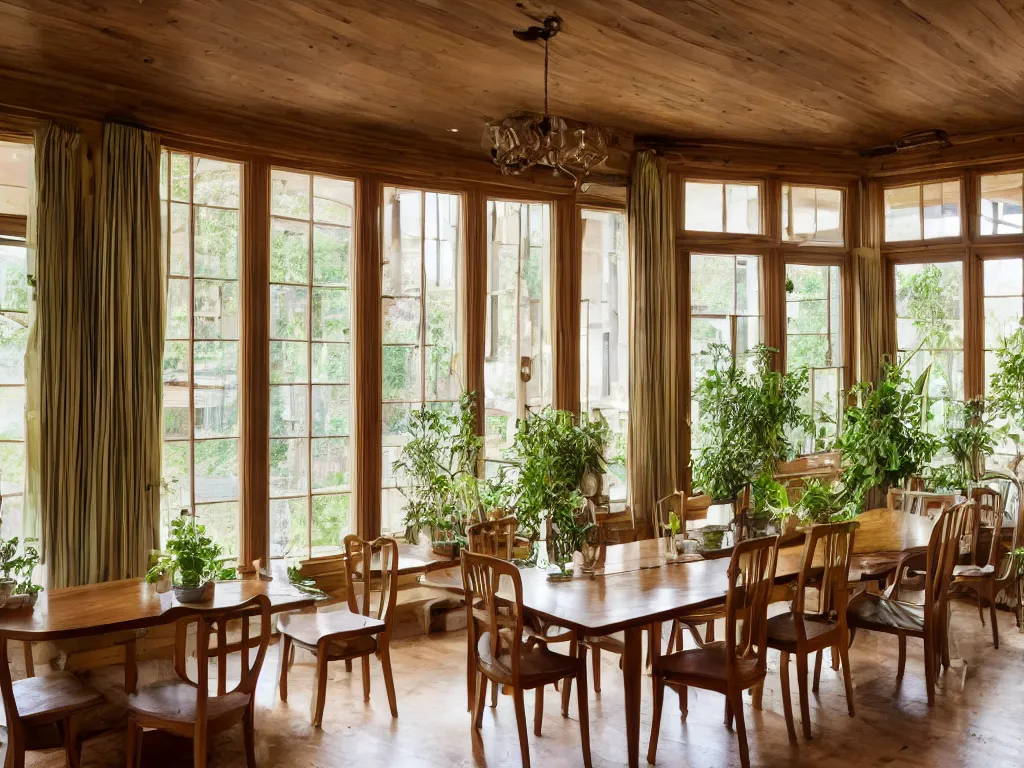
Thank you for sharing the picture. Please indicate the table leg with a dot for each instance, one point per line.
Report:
(632, 675)
(131, 667)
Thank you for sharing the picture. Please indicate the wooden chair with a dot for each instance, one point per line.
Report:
(738, 662)
(357, 633)
(928, 621)
(495, 626)
(35, 704)
(980, 577)
(493, 537)
(187, 709)
(804, 630)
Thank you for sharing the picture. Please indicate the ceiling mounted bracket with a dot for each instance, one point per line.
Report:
(552, 26)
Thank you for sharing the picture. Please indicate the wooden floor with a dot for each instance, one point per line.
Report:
(979, 726)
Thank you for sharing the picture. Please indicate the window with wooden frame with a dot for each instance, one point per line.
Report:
(517, 369)
(722, 206)
(928, 210)
(812, 215)
(1003, 305)
(200, 210)
(420, 315)
(1001, 204)
(725, 309)
(604, 335)
(15, 180)
(311, 220)
(814, 319)
(930, 331)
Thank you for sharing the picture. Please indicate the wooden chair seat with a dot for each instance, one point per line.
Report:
(708, 664)
(782, 630)
(175, 701)
(537, 666)
(348, 635)
(52, 698)
(974, 571)
(869, 611)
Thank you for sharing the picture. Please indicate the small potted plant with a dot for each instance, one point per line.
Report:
(193, 561)
(822, 503)
(9, 562)
(26, 588)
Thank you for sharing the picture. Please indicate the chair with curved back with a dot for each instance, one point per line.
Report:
(927, 621)
(805, 629)
(493, 537)
(738, 662)
(495, 627)
(186, 708)
(358, 633)
(978, 575)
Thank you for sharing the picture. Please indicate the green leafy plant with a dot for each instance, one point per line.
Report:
(969, 437)
(1006, 386)
(745, 419)
(192, 557)
(883, 440)
(300, 582)
(440, 463)
(551, 452)
(769, 498)
(820, 503)
(19, 568)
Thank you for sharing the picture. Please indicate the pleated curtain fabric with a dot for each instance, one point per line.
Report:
(654, 415)
(123, 514)
(873, 310)
(58, 367)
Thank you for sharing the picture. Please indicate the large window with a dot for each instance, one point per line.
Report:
(814, 341)
(604, 342)
(200, 203)
(517, 368)
(15, 175)
(713, 206)
(1002, 199)
(725, 308)
(1004, 310)
(310, 363)
(925, 211)
(929, 327)
(420, 315)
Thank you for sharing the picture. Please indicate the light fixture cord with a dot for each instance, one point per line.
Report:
(546, 41)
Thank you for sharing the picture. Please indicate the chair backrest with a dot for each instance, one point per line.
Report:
(493, 537)
(362, 559)
(943, 552)
(751, 580)
(210, 621)
(987, 513)
(828, 574)
(483, 577)
(919, 502)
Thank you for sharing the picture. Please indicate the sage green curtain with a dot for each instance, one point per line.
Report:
(873, 312)
(123, 512)
(654, 412)
(58, 368)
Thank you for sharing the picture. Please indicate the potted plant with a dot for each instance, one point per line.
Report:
(440, 463)
(193, 560)
(884, 441)
(820, 503)
(1006, 389)
(745, 418)
(8, 565)
(970, 436)
(551, 453)
(769, 503)
(25, 586)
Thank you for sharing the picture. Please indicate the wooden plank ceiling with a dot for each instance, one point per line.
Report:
(844, 73)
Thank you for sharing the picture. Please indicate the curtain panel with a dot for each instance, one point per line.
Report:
(873, 312)
(58, 366)
(654, 424)
(123, 513)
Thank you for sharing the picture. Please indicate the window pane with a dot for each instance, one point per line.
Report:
(712, 284)
(936, 205)
(812, 215)
(216, 243)
(181, 239)
(1004, 277)
(215, 366)
(929, 319)
(176, 488)
(604, 342)
(903, 213)
(216, 183)
(332, 521)
(401, 321)
(216, 309)
(15, 177)
(221, 521)
(742, 209)
(216, 470)
(314, 316)
(704, 207)
(941, 209)
(401, 373)
(177, 308)
(1001, 204)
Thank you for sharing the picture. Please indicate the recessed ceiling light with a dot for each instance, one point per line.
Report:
(453, 130)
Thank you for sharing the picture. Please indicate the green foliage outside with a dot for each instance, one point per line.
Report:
(745, 418)
(1006, 386)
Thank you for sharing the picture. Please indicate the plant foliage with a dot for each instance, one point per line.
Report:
(970, 436)
(1006, 385)
(745, 418)
(884, 440)
(192, 557)
(820, 503)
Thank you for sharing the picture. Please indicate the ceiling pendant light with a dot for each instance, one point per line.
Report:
(522, 140)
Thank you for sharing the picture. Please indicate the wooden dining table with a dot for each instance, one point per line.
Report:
(132, 604)
(638, 587)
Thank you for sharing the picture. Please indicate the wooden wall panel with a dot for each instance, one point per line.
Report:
(474, 297)
(366, 369)
(565, 294)
(254, 394)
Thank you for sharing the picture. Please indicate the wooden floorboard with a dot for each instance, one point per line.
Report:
(978, 726)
